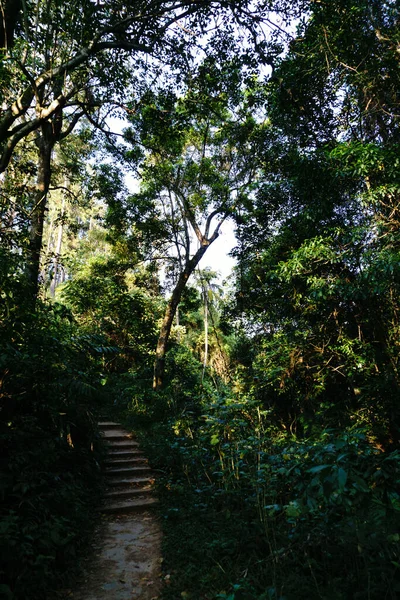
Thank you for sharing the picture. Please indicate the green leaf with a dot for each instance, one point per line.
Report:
(342, 478)
(293, 510)
(318, 468)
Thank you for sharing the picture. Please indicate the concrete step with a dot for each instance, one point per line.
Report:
(119, 471)
(128, 475)
(121, 445)
(114, 435)
(143, 490)
(130, 482)
(126, 461)
(129, 506)
(108, 425)
(120, 454)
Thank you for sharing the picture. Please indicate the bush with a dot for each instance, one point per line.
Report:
(49, 449)
(251, 512)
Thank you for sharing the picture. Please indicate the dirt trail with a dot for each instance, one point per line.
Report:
(127, 546)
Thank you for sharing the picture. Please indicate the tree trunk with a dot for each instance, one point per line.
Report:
(45, 146)
(178, 337)
(55, 280)
(205, 291)
(190, 266)
(10, 15)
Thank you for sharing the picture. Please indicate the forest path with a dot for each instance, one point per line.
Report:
(127, 560)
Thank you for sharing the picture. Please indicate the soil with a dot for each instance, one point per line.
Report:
(127, 564)
(125, 557)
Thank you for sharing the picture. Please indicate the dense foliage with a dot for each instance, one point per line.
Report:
(275, 419)
(49, 448)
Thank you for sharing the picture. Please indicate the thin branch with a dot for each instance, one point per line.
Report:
(106, 132)
(9, 148)
(62, 187)
(216, 230)
(71, 125)
(190, 216)
(208, 222)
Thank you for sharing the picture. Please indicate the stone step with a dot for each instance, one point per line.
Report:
(108, 425)
(125, 461)
(122, 445)
(128, 475)
(117, 472)
(129, 506)
(130, 492)
(119, 454)
(132, 454)
(130, 482)
(114, 435)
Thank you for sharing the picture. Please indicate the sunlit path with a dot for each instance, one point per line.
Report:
(126, 552)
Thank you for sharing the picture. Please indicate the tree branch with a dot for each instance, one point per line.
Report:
(208, 222)
(11, 143)
(71, 125)
(188, 214)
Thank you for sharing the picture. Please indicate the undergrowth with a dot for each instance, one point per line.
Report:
(250, 512)
(49, 495)
(50, 477)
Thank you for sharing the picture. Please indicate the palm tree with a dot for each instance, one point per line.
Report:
(210, 293)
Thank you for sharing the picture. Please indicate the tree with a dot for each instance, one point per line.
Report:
(196, 172)
(319, 271)
(209, 291)
(62, 62)
(60, 55)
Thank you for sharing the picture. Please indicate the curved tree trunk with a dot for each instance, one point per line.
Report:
(190, 266)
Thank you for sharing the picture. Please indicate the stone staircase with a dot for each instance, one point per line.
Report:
(128, 476)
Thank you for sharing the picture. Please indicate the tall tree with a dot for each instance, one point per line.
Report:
(323, 234)
(86, 46)
(72, 59)
(208, 291)
(196, 171)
